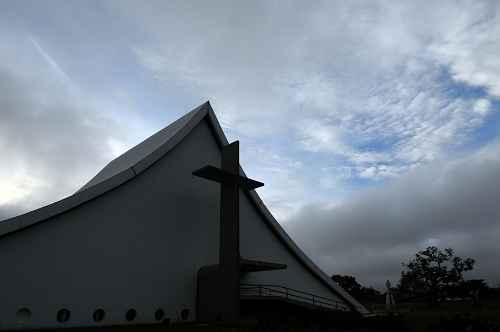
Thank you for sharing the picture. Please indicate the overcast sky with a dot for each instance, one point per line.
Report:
(375, 125)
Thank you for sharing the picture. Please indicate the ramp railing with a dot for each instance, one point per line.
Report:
(269, 291)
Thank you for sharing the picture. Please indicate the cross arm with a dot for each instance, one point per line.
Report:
(251, 265)
(221, 176)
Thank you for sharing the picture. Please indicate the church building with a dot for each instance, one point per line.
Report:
(172, 230)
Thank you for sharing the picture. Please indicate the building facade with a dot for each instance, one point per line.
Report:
(126, 248)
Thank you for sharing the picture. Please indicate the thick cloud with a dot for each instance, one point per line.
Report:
(52, 139)
(448, 204)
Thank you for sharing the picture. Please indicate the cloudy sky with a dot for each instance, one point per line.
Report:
(375, 125)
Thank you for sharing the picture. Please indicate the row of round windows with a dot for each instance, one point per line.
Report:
(63, 315)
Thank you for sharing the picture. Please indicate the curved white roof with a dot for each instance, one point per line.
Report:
(136, 161)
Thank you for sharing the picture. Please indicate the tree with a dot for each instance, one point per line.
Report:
(370, 295)
(432, 271)
(472, 289)
(349, 284)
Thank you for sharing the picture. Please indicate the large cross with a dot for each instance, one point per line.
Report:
(218, 285)
(230, 179)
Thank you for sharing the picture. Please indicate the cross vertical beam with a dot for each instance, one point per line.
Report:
(219, 285)
(229, 250)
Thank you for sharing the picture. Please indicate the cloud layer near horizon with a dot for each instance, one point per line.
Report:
(446, 204)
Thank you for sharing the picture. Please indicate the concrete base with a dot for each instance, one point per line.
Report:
(217, 294)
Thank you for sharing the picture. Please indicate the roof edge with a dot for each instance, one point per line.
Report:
(156, 155)
(85, 194)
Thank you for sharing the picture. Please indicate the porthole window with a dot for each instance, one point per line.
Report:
(185, 314)
(159, 314)
(23, 315)
(63, 315)
(130, 315)
(98, 315)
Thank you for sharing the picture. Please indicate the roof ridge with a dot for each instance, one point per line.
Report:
(137, 154)
(98, 186)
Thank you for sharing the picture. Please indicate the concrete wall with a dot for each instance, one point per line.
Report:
(258, 242)
(138, 246)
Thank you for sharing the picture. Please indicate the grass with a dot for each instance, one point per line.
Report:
(450, 316)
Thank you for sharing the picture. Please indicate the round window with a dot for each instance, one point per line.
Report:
(159, 314)
(63, 315)
(130, 315)
(23, 315)
(98, 315)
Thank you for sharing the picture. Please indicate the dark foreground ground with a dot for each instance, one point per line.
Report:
(450, 316)
(410, 317)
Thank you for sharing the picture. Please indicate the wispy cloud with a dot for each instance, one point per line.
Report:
(52, 133)
(51, 62)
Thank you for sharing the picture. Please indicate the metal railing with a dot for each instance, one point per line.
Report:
(266, 290)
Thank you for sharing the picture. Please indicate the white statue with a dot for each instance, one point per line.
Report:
(390, 303)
